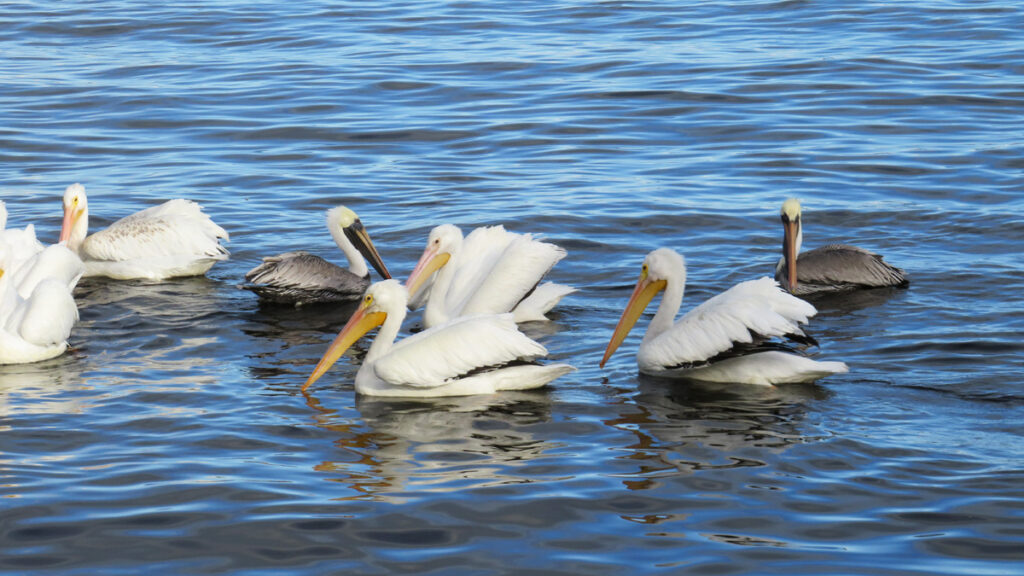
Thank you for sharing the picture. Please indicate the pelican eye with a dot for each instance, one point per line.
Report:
(368, 300)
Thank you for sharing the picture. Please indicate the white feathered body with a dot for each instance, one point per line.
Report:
(469, 355)
(21, 245)
(36, 328)
(493, 272)
(169, 240)
(756, 309)
(37, 310)
(54, 261)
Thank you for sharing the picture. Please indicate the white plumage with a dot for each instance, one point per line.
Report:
(35, 327)
(170, 240)
(21, 245)
(469, 355)
(732, 337)
(55, 261)
(491, 271)
(719, 323)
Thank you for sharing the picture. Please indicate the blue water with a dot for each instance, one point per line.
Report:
(173, 439)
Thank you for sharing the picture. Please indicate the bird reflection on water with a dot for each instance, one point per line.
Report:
(688, 426)
(399, 450)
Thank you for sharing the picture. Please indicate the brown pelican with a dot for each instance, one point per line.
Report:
(491, 271)
(830, 268)
(740, 335)
(469, 355)
(302, 278)
(170, 240)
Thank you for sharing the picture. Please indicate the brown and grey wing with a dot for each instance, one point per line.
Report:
(843, 266)
(301, 277)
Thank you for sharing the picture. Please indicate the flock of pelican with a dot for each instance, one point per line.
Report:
(474, 290)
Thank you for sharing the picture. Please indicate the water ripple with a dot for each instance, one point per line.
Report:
(175, 427)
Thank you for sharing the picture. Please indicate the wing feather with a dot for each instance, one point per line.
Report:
(50, 314)
(446, 352)
(480, 251)
(516, 271)
(302, 271)
(175, 227)
(756, 309)
(843, 266)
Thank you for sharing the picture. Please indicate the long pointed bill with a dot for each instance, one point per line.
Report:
(70, 217)
(360, 323)
(358, 235)
(790, 230)
(642, 295)
(429, 263)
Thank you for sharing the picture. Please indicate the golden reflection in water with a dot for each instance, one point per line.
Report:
(399, 450)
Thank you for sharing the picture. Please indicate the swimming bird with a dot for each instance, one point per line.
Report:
(35, 328)
(742, 335)
(829, 268)
(302, 278)
(28, 261)
(470, 355)
(491, 271)
(170, 240)
(21, 243)
(55, 261)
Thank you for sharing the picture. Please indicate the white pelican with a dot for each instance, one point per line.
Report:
(829, 268)
(170, 240)
(728, 338)
(55, 261)
(303, 278)
(21, 244)
(36, 328)
(492, 271)
(470, 355)
(28, 262)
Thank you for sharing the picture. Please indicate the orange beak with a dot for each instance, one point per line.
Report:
(359, 324)
(431, 261)
(71, 215)
(644, 292)
(790, 230)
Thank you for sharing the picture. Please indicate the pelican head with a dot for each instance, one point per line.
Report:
(381, 299)
(443, 241)
(659, 267)
(342, 220)
(76, 217)
(792, 237)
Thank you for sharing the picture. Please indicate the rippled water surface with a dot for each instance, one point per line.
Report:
(173, 439)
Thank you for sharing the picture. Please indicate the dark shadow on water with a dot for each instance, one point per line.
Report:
(274, 320)
(688, 426)
(838, 303)
(285, 342)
